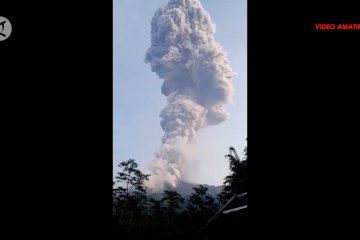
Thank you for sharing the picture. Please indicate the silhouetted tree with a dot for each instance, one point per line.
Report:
(201, 202)
(172, 202)
(155, 207)
(200, 207)
(236, 181)
(131, 197)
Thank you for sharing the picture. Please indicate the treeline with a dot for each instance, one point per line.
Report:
(137, 214)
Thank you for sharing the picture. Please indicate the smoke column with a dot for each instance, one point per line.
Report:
(197, 83)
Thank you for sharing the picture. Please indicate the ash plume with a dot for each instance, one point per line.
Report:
(196, 81)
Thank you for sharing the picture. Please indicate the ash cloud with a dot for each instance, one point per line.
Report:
(196, 78)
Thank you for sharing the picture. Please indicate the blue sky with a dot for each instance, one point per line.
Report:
(138, 99)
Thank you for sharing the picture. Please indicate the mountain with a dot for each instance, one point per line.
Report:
(185, 189)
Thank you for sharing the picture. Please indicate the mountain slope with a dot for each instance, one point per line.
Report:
(185, 189)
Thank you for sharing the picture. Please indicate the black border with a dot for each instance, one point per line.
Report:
(301, 98)
(57, 118)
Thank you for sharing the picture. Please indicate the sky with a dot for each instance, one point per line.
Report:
(138, 101)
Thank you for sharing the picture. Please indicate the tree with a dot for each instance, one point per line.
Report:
(172, 201)
(201, 202)
(237, 181)
(156, 207)
(131, 197)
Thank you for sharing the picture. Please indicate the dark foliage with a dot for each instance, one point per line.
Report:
(130, 200)
(237, 181)
(172, 216)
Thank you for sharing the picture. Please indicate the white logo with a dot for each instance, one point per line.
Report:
(5, 28)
